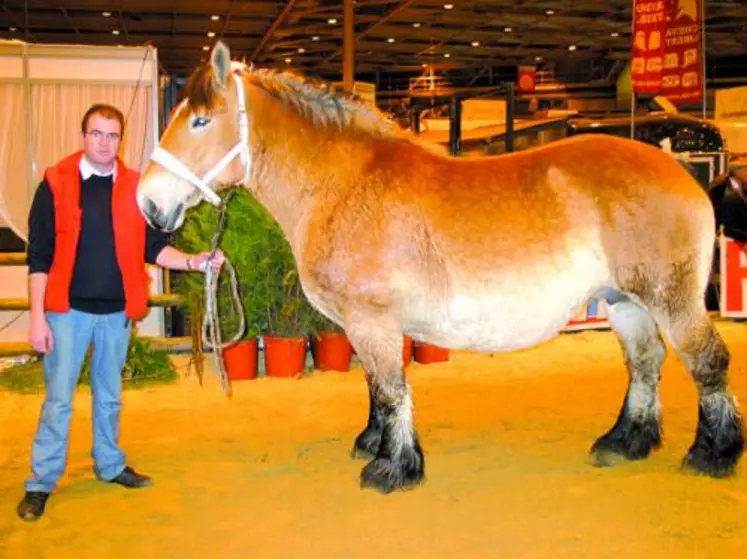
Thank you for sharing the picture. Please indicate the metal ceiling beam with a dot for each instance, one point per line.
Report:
(279, 20)
(383, 19)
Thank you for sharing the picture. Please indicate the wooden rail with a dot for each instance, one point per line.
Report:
(183, 343)
(160, 300)
(12, 258)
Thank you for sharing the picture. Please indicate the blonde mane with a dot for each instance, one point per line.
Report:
(316, 102)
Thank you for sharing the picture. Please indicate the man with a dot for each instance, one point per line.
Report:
(88, 246)
(728, 193)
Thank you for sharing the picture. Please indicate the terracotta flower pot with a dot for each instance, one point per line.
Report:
(285, 357)
(428, 353)
(407, 351)
(241, 360)
(332, 351)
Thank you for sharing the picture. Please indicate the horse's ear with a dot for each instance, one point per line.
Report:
(221, 61)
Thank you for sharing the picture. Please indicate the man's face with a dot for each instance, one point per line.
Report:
(101, 140)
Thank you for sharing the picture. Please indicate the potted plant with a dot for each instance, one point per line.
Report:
(245, 244)
(330, 346)
(429, 353)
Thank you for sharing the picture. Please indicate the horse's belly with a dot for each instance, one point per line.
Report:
(503, 314)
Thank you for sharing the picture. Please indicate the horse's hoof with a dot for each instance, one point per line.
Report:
(366, 445)
(628, 440)
(387, 476)
(702, 460)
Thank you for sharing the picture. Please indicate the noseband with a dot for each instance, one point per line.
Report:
(168, 161)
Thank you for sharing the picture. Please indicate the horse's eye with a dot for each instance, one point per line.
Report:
(199, 122)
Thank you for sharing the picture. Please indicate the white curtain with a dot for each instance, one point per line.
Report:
(57, 110)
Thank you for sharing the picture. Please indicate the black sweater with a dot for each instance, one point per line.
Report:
(96, 285)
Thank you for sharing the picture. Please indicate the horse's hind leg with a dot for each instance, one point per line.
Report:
(398, 461)
(719, 440)
(638, 427)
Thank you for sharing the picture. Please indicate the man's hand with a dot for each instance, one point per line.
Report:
(200, 261)
(40, 334)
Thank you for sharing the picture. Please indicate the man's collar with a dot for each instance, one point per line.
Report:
(86, 170)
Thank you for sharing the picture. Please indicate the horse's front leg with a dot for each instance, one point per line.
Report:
(368, 441)
(398, 462)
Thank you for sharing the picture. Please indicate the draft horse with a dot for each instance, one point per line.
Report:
(487, 254)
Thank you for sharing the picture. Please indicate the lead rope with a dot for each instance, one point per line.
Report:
(212, 320)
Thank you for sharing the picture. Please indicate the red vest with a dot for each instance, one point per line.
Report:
(129, 236)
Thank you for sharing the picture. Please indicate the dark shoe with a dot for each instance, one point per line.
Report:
(32, 505)
(130, 478)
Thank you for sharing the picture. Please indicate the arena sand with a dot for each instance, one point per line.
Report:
(268, 472)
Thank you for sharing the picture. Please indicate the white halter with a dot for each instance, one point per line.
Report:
(164, 158)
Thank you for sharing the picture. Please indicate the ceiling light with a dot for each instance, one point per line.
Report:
(106, 14)
(550, 12)
(571, 47)
(448, 6)
(302, 50)
(507, 29)
(538, 59)
(475, 43)
(115, 31)
(13, 29)
(614, 34)
(447, 55)
(315, 38)
(205, 47)
(332, 20)
(416, 25)
(211, 34)
(215, 18)
(288, 60)
(390, 40)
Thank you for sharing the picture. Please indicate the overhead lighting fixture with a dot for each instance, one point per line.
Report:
(416, 25)
(302, 50)
(550, 12)
(447, 55)
(288, 60)
(332, 20)
(390, 40)
(507, 29)
(475, 43)
(614, 34)
(538, 59)
(572, 47)
(448, 6)
(106, 14)
(115, 31)
(315, 38)
(215, 18)
(211, 34)
(205, 47)
(13, 29)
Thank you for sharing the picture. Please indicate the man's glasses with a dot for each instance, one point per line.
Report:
(98, 135)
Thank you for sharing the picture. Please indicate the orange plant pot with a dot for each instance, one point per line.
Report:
(332, 351)
(427, 353)
(285, 357)
(241, 360)
(407, 351)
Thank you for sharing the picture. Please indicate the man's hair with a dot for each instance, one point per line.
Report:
(107, 111)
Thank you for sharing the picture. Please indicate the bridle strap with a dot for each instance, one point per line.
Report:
(241, 149)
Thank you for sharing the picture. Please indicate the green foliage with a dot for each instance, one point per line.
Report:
(144, 367)
(269, 287)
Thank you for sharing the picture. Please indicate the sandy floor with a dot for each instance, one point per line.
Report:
(267, 474)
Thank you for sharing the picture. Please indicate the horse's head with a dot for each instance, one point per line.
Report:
(205, 143)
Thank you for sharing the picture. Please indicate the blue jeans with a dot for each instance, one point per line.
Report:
(73, 333)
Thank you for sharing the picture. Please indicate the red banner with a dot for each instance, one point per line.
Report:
(527, 79)
(667, 49)
(733, 278)
(649, 28)
(683, 54)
